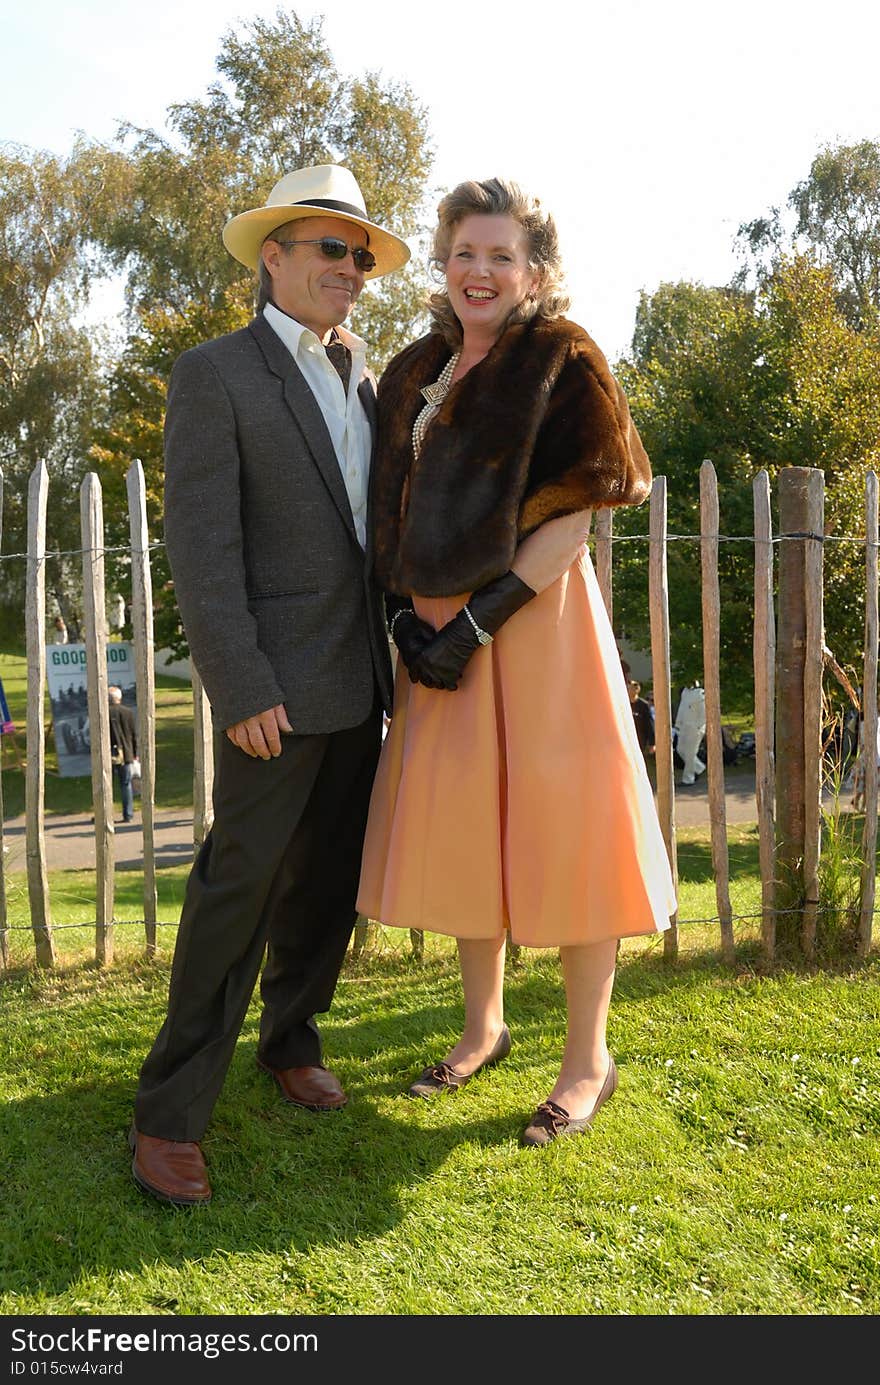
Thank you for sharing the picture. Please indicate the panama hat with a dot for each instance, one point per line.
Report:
(322, 190)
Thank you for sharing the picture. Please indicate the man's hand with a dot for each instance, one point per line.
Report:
(260, 736)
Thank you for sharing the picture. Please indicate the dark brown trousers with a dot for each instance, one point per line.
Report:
(277, 874)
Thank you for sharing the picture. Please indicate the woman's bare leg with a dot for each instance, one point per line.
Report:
(482, 980)
(588, 971)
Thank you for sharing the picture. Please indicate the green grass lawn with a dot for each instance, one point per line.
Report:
(737, 1170)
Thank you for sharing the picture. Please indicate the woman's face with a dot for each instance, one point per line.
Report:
(487, 272)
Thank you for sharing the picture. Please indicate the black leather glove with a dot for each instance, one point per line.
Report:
(409, 632)
(441, 663)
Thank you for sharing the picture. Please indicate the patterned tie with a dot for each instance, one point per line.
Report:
(339, 357)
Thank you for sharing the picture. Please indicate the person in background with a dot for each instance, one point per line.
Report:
(116, 612)
(511, 798)
(123, 748)
(690, 728)
(59, 631)
(642, 716)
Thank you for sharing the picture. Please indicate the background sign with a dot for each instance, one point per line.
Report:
(66, 677)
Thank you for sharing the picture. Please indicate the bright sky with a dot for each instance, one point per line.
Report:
(650, 128)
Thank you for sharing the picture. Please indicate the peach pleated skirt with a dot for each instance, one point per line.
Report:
(520, 802)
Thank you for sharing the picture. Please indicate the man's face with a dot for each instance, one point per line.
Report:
(316, 291)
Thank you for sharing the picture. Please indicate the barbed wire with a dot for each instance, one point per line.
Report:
(740, 538)
(374, 923)
(859, 539)
(60, 927)
(78, 552)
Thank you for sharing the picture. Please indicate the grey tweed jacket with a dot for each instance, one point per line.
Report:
(272, 584)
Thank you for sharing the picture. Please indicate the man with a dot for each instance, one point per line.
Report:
(123, 748)
(267, 452)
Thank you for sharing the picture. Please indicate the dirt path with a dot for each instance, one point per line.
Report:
(70, 841)
(70, 838)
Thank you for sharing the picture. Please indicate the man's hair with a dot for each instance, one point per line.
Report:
(500, 197)
(114, 693)
(264, 286)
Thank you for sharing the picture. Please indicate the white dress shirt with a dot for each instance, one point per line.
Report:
(346, 421)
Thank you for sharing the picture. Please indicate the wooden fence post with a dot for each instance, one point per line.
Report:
(790, 667)
(4, 918)
(35, 787)
(711, 603)
(764, 658)
(360, 935)
(868, 884)
(203, 764)
(144, 658)
(658, 600)
(95, 613)
(813, 668)
(604, 526)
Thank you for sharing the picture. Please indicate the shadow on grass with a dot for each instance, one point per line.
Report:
(284, 1180)
(695, 858)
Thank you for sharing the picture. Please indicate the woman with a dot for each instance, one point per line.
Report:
(520, 805)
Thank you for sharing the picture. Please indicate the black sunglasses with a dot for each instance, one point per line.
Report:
(332, 248)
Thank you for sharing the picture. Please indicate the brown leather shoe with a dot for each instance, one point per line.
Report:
(551, 1121)
(443, 1078)
(172, 1170)
(315, 1089)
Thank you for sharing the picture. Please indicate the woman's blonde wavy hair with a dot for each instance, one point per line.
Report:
(500, 197)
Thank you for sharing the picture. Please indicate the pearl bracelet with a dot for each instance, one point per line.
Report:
(404, 610)
(482, 635)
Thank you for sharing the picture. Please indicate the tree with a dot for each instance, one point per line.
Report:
(837, 216)
(279, 104)
(51, 366)
(838, 210)
(692, 389)
(749, 380)
(829, 408)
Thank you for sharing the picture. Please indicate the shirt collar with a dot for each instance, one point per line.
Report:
(356, 345)
(292, 332)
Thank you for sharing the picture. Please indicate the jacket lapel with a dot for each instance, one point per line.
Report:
(367, 396)
(307, 415)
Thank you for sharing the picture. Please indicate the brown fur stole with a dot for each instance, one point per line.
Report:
(539, 428)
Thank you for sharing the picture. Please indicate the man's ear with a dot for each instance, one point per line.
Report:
(270, 254)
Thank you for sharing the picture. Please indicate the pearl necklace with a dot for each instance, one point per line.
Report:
(434, 394)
